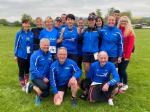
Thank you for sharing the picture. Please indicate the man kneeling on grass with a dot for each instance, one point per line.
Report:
(64, 73)
(98, 84)
(39, 68)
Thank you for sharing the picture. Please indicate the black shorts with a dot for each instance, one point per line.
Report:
(74, 57)
(88, 57)
(63, 88)
(114, 60)
(96, 94)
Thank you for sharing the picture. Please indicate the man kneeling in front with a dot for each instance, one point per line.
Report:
(64, 73)
(99, 84)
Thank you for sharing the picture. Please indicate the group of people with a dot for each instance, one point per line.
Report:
(53, 53)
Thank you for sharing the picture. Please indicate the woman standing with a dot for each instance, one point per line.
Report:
(69, 34)
(36, 31)
(125, 26)
(52, 34)
(22, 51)
(112, 41)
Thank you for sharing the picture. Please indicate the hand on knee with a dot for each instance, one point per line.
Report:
(58, 98)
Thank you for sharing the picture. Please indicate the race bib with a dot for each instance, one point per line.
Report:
(96, 55)
(52, 49)
(28, 50)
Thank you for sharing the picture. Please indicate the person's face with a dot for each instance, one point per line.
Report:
(63, 17)
(45, 46)
(117, 16)
(80, 24)
(111, 21)
(58, 24)
(102, 58)
(123, 22)
(62, 55)
(49, 23)
(39, 23)
(91, 23)
(26, 26)
(70, 21)
(99, 23)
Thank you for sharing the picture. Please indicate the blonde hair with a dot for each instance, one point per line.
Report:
(48, 18)
(128, 27)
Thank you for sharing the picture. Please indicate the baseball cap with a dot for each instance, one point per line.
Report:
(58, 19)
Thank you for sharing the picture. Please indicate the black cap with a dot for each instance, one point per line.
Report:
(58, 19)
(91, 17)
(116, 11)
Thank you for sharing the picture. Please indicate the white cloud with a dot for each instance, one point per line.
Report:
(13, 9)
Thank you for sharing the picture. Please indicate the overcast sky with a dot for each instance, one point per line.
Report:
(13, 9)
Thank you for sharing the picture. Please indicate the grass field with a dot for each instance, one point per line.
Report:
(136, 99)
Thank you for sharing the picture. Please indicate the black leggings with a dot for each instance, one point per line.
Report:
(122, 71)
(42, 85)
(23, 65)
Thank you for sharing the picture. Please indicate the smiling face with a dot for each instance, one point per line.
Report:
(26, 25)
(39, 22)
(70, 22)
(123, 22)
(99, 22)
(102, 58)
(62, 55)
(80, 23)
(49, 23)
(111, 21)
(44, 44)
(91, 23)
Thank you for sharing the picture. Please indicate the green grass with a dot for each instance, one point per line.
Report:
(136, 99)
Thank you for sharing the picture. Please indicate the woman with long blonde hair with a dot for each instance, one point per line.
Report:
(125, 26)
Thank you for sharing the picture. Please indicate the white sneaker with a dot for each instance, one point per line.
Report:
(24, 88)
(124, 88)
(110, 101)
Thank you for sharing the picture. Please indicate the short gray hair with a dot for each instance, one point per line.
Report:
(62, 48)
(44, 40)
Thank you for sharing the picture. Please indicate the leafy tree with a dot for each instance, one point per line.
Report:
(98, 12)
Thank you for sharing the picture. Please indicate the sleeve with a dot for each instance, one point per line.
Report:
(120, 44)
(35, 73)
(115, 76)
(77, 71)
(41, 35)
(16, 44)
(31, 42)
(130, 45)
(52, 80)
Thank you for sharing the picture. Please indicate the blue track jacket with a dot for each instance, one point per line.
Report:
(70, 39)
(91, 40)
(51, 35)
(102, 74)
(112, 41)
(23, 44)
(40, 64)
(61, 73)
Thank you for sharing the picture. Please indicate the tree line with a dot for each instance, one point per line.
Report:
(98, 12)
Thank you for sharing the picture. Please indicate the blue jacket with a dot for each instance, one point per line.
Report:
(23, 41)
(40, 64)
(91, 40)
(70, 39)
(51, 35)
(112, 41)
(102, 74)
(61, 73)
